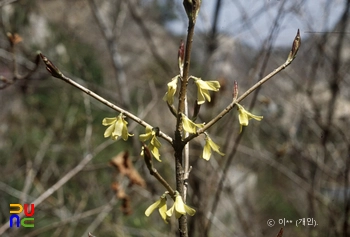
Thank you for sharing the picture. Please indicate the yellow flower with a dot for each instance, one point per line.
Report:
(203, 89)
(190, 126)
(169, 95)
(210, 145)
(244, 116)
(154, 144)
(180, 207)
(117, 127)
(161, 205)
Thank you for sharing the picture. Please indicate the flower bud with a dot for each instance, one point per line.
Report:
(55, 72)
(181, 56)
(148, 157)
(235, 90)
(295, 47)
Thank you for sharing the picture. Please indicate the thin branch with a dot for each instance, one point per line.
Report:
(113, 51)
(61, 182)
(221, 184)
(149, 163)
(155, 173)
(266, 157)
(5, 2)
(186, 156)
(88, 130)
(44, 146)
(4, 82)
(148, 36)
(55, 72)
(233, 103)
(102, 215)
(13, 192)
(74, 218)
(192, 7)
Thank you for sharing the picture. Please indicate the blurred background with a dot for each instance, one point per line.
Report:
(292, 167)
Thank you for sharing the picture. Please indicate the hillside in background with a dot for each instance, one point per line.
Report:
(293, 164)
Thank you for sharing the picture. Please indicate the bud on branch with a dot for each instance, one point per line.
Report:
(55, 72)
(192, 9)
(295, 47)
(235, 90)
(181, 56)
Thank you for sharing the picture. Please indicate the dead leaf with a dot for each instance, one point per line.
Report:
(124, 165)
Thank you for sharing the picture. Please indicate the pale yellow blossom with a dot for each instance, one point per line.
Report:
(154, 144)
(203, 89)
(162, 208)
(180, 207)
(169, 95)
(190, 126)
(208, 147)
(117, 127)
(244, 116)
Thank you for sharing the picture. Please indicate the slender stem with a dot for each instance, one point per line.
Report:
(184, 79)
(178, 144)
(220, 186)
(113, 106)
(186, 157)
(113, 50)
(155, 173)
(233, 103)
(69, 175)
(55, 72)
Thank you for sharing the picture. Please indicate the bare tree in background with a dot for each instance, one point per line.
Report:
(295, 165)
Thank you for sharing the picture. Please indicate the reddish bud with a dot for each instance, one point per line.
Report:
(235, 90)
(181, 56)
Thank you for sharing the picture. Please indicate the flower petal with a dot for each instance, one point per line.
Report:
(147, 135)
(179, 205)
(208, 85)
(178, 214)
(108, 121)
(125, 134)
(203, 88)
(109, 131)
(189, 210)
(151, 208)
(206, 151)
(190, 126)
(200, 97)
(213, 85)
(169, 95)
(256, 117)
(169, 212)
(244, 116)
(206, 95)
(144, 137)
(118, 129)
(155, 152)
(162, 209)
(155, 142)
(215, 147)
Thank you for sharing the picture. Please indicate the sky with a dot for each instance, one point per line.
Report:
(309, 16)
